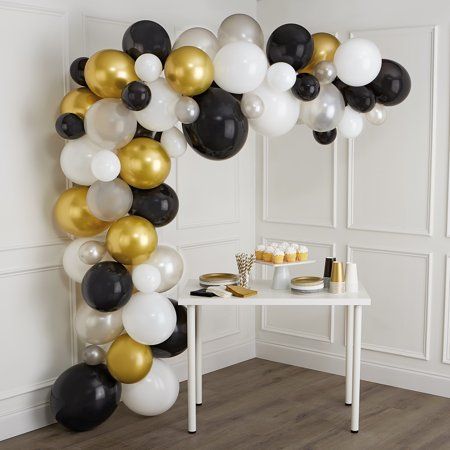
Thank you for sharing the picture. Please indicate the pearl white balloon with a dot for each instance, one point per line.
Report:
(146, 278)
(73, 265)
(252, 106)
(93, 355)
(155, 393)
(170, 264)
(357, 61)
(377, 115)
(148, 67)
(76, 158)
(351, 123)
(240, 67)
(240, 27)
(325, 72)
(110, 124)
(173, 142)
(281, 76)
(198, 37)
(281, 110)
(92, 252)
(105, 165)
(187, 110)
(159, 115)
(149, 318)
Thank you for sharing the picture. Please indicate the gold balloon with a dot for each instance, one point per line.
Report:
(131, 240)
(107, 72)
(325, 45)
(73, 216)
(128, 361)
(189, 71)
(78, 101)
(144, 163)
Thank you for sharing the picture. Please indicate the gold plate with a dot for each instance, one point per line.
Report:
(306, 281)
(228, 278)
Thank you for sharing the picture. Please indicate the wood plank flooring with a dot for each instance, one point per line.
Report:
(260, 404)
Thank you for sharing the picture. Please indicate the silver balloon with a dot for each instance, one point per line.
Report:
(92, 252)
(325, 72)
(93, 355)
(187, 110)
(170, 264)
(252, 106)
(377, 115)
(200, 38)
(240, 27)
(325, 111)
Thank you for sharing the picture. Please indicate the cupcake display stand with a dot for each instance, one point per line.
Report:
(281, 276)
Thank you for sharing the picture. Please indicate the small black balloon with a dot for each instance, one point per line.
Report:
(70, 126)
(136, 95)
(107, 286)
(158, 205)
(360, 98)
(84, 396)
(325, 137)
(143, 132)
(146, 36)
(77, 70)
(292, 44)
(306, 87)
(177, 342)
(221, 128)
(392, 84)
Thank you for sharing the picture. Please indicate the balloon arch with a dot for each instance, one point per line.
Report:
(121, 132)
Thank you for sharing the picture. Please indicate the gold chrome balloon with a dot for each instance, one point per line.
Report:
(325, 45)
(107, 72)
(144, 163)
(189, 71)
(131, 240)
(78, 101)
(73, 216)
(128, 361)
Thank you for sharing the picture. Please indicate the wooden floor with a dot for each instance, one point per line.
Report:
(265, 405)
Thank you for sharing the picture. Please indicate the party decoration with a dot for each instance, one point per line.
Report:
(136, 96)
(93, 355)
(187, 110)
(131, 240)
(325, 72)
(281, 76)
(252, 106)
(77, 70)
(69, 126)
(325, 46)
(91, 252)
(128, 361)
(170, 264)
(146, 278)
(105, 165)
(174, 142)
(143, 132)
(351, 123)
(306, 87)
(377, 115)
(73, 265)
(84, 396)
(78, 102)
(200, 38)
(240, 28)
(148, 67)
(360, 98)
(325, 137)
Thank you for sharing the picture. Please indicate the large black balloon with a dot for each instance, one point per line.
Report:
(292, 44)
(146, 36)
(392, 84)
(107, 286)
(136, 95)
(341, 86)
(325, 137)
(143, 132)
(158, 205)
(177, 342)
(84, 396)
(360, 98)
(221, 128)
(77, 70)
(70, 126)
(306, 87)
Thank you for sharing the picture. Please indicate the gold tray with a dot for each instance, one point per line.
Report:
(220, 278)
(307, 281)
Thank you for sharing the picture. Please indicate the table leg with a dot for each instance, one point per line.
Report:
(356, 369)
(349, 354)
(192, 419)
(198, 355)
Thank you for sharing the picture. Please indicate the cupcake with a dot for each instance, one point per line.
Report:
(302, 253)
(259, 252)
(268, 253)
(278, 256)
(284, 245)
(290, 254)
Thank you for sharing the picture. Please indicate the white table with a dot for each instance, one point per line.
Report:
(269, 297)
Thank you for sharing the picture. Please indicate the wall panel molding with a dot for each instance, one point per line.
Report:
(446, 333)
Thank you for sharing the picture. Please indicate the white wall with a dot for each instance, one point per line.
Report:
(381, 201)
(38, 40)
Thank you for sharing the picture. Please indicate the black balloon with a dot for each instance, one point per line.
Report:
(77, 70)
(70, 126)
(221, 128)
(392, 84)
(341, 86)
(158, 205)
(325, 137)
(84, 396)
(107, 286)
(136, 95)
(292, 44)
(177, 342)
(143, 132)
(360, 98)
(146, 36)
(306, 87)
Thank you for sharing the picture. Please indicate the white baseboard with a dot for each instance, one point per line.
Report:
(429, 383)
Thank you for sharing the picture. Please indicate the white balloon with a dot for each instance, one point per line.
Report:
(377, 115)
(73, 265)
(357, 61)
(105, 165)
(200, 38)
(351, 123)
(240, 67)
(240, 27)
(154, 394)
(159, 115)
(281, 111)
(146, 278)
(173, 142)
(76, 158)
(148, 67)
(149, 318)
(281, 76)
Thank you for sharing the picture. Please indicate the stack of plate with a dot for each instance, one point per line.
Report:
(218, 279)
(307, 284)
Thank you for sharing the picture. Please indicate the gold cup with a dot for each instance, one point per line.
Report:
(337, 272)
